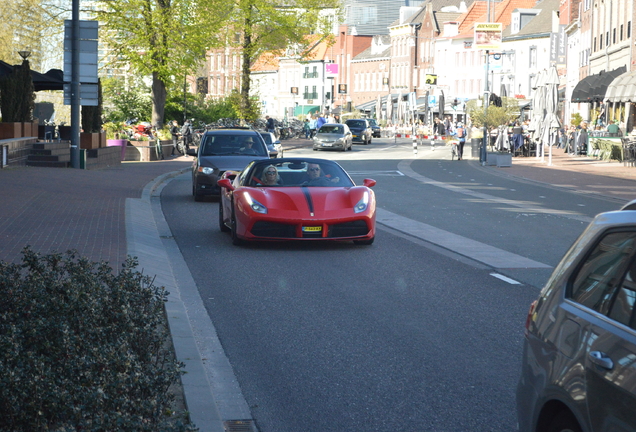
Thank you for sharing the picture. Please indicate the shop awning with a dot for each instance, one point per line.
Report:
(622, 89)
(593, 88)
(306, 109)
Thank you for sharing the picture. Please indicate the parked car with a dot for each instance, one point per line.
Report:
(375, 128)
(296, 199)
(336, 136)
(361, 130)
(274, 145)
(579, 360)
(222, 150)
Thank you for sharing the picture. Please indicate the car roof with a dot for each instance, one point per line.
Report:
(231, 131)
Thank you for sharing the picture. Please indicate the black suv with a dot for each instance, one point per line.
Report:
(222, 150)
(361, 130)
(377, 130)
(578, 370)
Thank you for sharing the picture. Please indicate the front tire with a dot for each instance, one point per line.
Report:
(222, 225)
(236, 241)
(564, 422)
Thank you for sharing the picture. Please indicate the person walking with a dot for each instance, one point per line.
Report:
(270, 125)
(306, 129)
(460, 132)
(174, 131)
(438, 132)
(312, 126)
(582, 139)
(321, 121)
(186, 133)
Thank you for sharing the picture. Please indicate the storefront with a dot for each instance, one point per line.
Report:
(621, 100)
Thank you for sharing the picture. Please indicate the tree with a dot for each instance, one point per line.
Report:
(161, 38)
(495, 115)
(17, 95)
(268, 26)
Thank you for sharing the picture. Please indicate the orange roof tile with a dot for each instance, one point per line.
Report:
(502, 14)
(266, 62)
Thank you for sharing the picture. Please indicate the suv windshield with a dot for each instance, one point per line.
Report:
(216, 144)
(356, 123)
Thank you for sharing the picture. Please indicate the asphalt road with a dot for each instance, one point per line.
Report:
(403, 335)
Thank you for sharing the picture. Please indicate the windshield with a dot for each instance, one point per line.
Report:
(297, 172)
(232, 144)
(267, 137)
(356, 123)
(331, 128)
(372, 122)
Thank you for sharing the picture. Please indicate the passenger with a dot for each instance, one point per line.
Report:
(315, 177)
(270, 176)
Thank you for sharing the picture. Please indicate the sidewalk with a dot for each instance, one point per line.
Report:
(579, 173)
(107, 214)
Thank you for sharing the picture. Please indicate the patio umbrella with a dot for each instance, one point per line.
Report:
(378, 108)
(551, 123)
(426, 108)
(441, 104)
(537, 109)
(400, 108)
(389, 108)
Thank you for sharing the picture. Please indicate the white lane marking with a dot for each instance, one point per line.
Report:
(405, 167)
(376, 173)
(505, 279)
(481, 252)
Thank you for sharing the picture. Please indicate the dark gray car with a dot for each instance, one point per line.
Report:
(579, 360)
(222, 150)
(361, 130)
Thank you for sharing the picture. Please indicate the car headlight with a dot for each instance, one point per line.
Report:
(255, 205)
(206, 170)
(362, 204)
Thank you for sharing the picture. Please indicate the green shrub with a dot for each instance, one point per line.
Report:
(83, 349)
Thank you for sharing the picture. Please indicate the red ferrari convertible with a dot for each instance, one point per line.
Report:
(296, 199)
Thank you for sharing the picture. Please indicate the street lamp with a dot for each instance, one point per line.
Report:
(24, 54)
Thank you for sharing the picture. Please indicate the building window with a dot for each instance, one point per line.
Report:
(614, 36)
(607, 39)
(600, 42)
(629, 29)
(622, 31)
(533, 57)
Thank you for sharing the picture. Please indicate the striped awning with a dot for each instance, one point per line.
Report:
(622, 88)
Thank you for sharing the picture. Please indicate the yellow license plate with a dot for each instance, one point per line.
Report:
(312, 229)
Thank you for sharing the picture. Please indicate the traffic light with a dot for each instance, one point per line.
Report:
(454, 103)
(431, 79)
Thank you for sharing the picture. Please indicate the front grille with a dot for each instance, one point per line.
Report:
(273, 229)
(349, 229)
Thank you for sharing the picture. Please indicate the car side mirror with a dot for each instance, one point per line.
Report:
(191, 152)
(369, 183)
(226, 184)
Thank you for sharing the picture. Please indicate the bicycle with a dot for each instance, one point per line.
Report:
(454, 150)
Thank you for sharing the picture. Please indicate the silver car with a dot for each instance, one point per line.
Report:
(579, 360)
(333, 136)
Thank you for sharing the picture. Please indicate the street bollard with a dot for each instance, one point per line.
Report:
(433, 143)
(414, 144)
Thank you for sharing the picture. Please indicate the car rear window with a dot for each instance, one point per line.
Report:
(230, 144)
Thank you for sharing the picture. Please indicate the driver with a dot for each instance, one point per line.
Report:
(247, 149)
(315, 176)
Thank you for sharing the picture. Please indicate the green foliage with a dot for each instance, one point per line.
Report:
(17, 94)
(576, 119)
(205, 111)
(114, 130)
(83, 349)
(124, 102)
(495, 116)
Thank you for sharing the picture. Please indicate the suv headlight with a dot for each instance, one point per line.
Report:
(362, 204)
(206, 170)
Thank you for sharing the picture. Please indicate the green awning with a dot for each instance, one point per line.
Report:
(306, 109)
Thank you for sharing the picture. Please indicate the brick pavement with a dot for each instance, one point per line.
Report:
(56, 209)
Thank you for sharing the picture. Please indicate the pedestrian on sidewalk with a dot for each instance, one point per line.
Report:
(312, 126)
(306, 129)
(270, 124)
(174, 131)
(582, 140)
(461, 137)
(438, 132)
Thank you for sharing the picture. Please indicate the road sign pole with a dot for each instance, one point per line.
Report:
(75, 86)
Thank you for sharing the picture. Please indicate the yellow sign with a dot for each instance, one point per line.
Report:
(431, 79)
(488, 36)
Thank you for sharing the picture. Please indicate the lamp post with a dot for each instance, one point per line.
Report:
(483, 155)
(24, 54)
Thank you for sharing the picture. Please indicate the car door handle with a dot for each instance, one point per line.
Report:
(601, 359)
